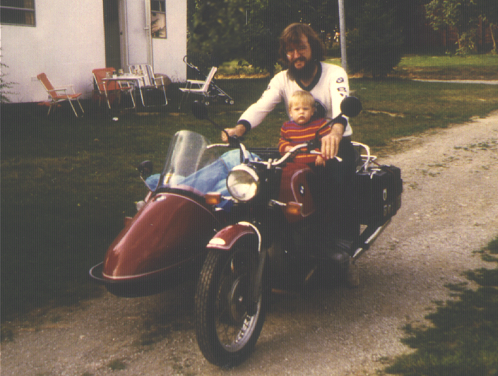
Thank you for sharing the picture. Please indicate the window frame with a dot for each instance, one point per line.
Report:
(24, 10)
(161, 4)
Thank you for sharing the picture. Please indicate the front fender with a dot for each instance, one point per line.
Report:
(228, 236)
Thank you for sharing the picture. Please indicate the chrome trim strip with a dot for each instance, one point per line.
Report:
(359, 251)
(256, 230)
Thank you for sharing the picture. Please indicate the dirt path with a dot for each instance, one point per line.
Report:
(450, 208)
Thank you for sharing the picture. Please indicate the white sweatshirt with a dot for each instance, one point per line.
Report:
(329, 88)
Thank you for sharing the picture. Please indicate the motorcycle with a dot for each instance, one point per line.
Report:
(241, 217)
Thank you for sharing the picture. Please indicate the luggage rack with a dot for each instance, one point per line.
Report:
(366, 159)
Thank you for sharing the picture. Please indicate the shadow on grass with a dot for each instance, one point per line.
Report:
(464, 337)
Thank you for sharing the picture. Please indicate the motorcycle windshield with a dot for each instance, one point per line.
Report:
(190, 165)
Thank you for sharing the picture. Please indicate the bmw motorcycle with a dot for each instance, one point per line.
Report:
(238, 221)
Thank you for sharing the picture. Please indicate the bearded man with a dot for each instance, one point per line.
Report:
(303, 53)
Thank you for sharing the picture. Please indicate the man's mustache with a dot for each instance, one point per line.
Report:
(300, 59)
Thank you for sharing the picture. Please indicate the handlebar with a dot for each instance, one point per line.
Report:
(295, 150)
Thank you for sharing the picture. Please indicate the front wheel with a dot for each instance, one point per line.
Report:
(227, 324)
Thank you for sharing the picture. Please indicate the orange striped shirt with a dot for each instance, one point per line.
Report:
(292, 134)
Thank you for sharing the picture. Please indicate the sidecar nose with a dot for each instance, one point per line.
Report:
(169, 231)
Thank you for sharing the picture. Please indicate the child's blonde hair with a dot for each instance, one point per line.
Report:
(302, 97)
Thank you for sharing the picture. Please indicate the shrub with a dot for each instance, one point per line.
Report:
(374, 47)
(4, 85)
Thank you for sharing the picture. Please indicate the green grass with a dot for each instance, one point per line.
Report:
(398, 108)
(445, 67)
(471, 67)
(463, 338)
(67, 183)
(239, 68)
(460, 62)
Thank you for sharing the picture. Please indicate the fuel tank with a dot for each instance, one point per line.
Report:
(169, 231)
(294, 186)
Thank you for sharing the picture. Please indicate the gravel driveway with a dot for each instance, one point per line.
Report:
(450, 209)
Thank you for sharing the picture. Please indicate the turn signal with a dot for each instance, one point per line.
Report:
(294, 208)
(212, 198)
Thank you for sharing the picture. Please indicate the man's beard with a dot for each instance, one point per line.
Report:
(305, 73)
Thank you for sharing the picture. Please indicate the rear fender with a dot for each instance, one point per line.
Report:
(225, 239)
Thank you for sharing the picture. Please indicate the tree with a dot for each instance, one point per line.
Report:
(215, 28)
(375, 45)
(488, 11)
(265, 22)
(250, 28)
(460, 15)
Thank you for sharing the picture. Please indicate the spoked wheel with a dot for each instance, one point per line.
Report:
(227, 324)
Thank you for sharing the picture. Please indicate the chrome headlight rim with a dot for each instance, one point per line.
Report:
(246, 190)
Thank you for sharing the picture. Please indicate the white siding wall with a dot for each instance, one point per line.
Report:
(169, 53)
(66, 43)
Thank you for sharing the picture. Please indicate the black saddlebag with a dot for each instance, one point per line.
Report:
(379, 193)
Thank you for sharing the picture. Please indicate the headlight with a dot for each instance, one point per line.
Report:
(243, 183)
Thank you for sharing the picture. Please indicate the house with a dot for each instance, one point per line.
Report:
(68, 39)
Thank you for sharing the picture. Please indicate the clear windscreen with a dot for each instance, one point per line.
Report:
(190, 164)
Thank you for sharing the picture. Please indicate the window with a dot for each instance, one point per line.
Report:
(18, 12)
(158, 18)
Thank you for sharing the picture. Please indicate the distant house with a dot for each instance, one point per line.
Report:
(68, 39)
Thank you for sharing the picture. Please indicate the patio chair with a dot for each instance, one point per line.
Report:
(58, 95)
(112, 90)
(151, 81)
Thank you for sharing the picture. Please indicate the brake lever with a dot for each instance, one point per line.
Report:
(315, 144)
(314, 152)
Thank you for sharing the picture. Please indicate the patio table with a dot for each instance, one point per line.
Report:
(128, 78)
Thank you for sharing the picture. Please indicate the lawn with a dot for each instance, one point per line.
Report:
(67, 183)
(462, 340)
(471, 67)
(445, 67)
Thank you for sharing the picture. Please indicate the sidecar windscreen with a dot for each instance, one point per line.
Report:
(190, 164)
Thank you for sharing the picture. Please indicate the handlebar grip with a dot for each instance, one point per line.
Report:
(314, 152)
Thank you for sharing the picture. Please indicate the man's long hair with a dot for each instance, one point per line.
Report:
(292, 35)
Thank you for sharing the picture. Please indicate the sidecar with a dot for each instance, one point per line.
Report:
(165, 242)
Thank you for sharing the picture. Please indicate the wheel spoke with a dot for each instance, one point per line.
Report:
(226, 333)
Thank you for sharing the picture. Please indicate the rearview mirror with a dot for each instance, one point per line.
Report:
(351, 106)
(199, 110)
(145, 169)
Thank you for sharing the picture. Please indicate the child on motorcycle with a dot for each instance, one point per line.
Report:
(327, 188)
(301, 128)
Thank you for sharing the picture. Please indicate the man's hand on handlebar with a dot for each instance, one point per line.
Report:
(330, 142)
(237, 131)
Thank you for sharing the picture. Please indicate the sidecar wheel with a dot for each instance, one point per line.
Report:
(226, 332)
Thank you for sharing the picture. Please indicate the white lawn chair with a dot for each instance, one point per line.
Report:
(151, 81)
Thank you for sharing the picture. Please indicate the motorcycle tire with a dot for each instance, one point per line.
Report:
(226, 333)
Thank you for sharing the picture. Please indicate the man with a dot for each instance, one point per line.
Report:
(302, 51)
